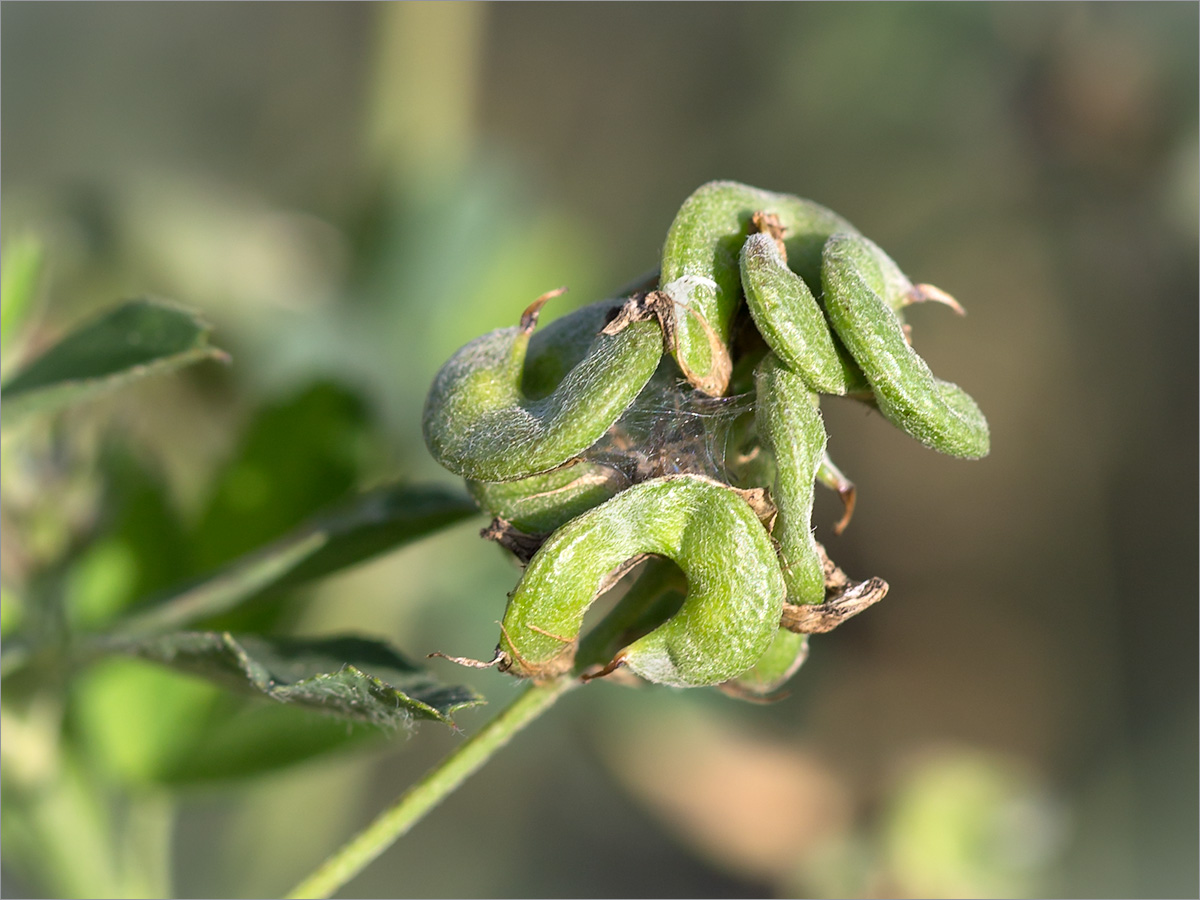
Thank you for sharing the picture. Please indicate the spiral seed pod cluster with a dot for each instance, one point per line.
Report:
(520, 414)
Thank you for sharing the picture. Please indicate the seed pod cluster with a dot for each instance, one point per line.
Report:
(520, 414)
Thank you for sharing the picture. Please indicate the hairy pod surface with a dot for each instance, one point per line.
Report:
(541, 503)
(700, 269)
(584, 443)
(790, 426)
(559, 346)
(735, 589)
(792, 323)
(937, 413)
(783, 658)
(479, 422)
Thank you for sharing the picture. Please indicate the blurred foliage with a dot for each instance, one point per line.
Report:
(134, 340)
(20, 268)
(350, 192)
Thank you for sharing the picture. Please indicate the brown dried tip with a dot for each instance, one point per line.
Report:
(849, 497)
(498, 659)
(530, 316)
(759, 500)
(523, 546)
(768, 223)
(617, 662)
(638, 308)
(927, 293)
(839, 605)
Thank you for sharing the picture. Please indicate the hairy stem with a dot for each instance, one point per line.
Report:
(427, 793)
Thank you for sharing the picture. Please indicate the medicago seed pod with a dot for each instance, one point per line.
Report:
(735, 588)
(937, 413)
(790, 426)
(479, 422)
(700, 270)
(541, 503)
(792, 323)
(782, 660)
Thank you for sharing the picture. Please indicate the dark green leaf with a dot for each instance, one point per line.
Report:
(140, 547)
(140, 338)
(298, 455)
(378, 521)
(374, 522)
(350, 677)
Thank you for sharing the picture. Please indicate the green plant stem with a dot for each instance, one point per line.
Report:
(427, 793)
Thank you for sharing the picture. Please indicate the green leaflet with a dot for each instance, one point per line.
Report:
(134, 340)
(376, 521)
(348, 676)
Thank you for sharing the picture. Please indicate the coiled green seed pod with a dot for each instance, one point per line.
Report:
(700, 270)
(937, 413)
(541, 503)
(790, 426)
(735, 587)
(479, 422)
(792, 323)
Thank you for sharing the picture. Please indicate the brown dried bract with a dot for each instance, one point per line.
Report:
(844, 599)
(659, 306)
(822, 617)
(927, 293)
(533, 310)
(835, 578)
(520, 544)
(759, 500)
(768, 223)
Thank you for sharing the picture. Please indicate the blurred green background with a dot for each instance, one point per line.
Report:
(350, 192)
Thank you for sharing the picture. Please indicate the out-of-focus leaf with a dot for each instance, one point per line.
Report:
(243, 738)
(134, 719)
(752, 803)
(139, 338)
(12, 611)
(374, 522)
(143, 723)
(22, 264)
(350, 677)
(378, 521)
(140, 548)
(963, 822)
(297, 456)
